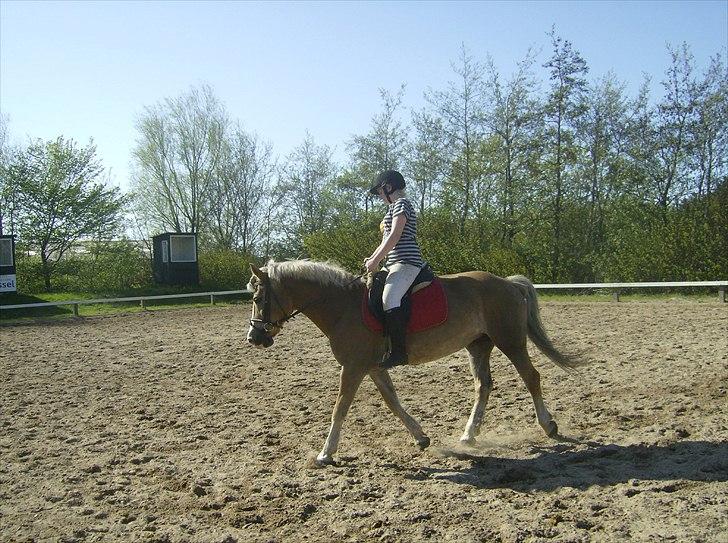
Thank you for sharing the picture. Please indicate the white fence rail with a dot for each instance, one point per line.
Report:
(616, 288)
(141, 299)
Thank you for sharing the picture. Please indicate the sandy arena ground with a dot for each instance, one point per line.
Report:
(167, 426)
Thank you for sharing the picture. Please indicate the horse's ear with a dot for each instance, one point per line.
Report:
(256, 272)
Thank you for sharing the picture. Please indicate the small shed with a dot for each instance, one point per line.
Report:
(7, 264)
(175, 259)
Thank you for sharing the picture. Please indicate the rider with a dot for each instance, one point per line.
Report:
(403, 259)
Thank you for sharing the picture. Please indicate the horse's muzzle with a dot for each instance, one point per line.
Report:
(258, 338)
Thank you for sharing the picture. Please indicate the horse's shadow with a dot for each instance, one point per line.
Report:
(600, 464)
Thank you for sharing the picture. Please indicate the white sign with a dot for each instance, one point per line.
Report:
(7, 283)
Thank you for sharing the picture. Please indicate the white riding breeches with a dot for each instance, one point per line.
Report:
(400, 278)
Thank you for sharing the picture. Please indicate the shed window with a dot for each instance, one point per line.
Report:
(165, 251)
(6, 252)
(183, 249)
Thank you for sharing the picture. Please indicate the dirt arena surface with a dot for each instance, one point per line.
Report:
(167, 426)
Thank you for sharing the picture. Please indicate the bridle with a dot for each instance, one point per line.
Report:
(265, 325)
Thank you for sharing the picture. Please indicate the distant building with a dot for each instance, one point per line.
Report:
(175, 259)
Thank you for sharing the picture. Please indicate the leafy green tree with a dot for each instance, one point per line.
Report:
(564, 105)
(427, 161)
(306, 183)
(709, 130)
(663, 145)
(384, 147)
(602, 134)
(224, 270)
(62, 199)
(460, 111)
(513, 120)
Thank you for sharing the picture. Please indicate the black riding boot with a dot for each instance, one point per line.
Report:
(397, 330)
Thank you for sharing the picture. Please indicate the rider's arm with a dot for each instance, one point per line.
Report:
(391, 240)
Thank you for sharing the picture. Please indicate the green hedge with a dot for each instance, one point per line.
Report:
(122, 268)
(107, 268)
(224, 270)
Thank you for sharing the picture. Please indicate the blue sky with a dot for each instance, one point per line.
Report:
(87, 69)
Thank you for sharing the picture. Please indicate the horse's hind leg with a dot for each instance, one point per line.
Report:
(384, 383)
(349, 381)
(479, 353)
(529, 374)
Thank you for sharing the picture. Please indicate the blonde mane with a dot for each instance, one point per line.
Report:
(324, 273)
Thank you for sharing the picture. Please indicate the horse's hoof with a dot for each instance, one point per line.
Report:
(553, 430)
(423, 443)
(469, 441)
(323, 461)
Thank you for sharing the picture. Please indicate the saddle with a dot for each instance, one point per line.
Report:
(424, 304)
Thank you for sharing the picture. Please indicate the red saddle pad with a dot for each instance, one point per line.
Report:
(429, 309)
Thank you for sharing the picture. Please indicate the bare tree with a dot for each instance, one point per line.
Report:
(243, 177)
(177, 154)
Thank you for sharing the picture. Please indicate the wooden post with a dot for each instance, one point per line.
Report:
(75, 310)
(721, 294)
(141, 304)
(212, 299)
(615, 295)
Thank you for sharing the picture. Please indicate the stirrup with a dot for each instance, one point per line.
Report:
(389, 361)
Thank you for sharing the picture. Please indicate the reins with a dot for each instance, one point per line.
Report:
(267, 325)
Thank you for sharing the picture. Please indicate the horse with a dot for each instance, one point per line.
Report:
(484, 311)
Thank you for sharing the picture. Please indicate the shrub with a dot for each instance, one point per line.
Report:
(347, 244)
(224, 270)
(103, 268)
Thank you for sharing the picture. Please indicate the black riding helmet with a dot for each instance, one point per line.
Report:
(388, 177)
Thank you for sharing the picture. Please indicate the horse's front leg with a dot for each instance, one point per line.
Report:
(384, 383)
(349, 381)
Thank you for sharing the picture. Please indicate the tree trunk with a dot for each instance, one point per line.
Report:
(45, 267)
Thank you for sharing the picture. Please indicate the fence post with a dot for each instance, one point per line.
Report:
(212, 299)
(615, 295)
(142, 304)
(75, 310)
(721, 294)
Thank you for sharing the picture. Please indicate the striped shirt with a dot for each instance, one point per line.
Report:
(406, 249)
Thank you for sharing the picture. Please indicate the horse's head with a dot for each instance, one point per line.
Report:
(267, 309)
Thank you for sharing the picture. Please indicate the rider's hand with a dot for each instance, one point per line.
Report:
(371, 264)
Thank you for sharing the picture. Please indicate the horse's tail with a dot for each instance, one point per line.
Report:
(536, 331)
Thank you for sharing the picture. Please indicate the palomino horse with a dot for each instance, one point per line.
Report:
(484, 311)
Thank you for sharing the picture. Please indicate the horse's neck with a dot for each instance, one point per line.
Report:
(324, 305)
